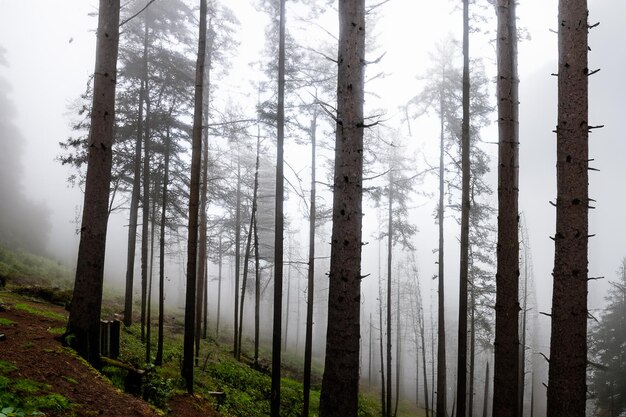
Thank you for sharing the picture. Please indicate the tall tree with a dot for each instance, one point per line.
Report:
(84, 320)
(279, 221)
(506, 361)
(461, 385)
(194, 197)
(567, 387)
(340, 384)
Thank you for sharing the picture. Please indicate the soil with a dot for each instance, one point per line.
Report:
(38, 356)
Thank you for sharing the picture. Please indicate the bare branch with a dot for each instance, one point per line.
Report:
(137, 14)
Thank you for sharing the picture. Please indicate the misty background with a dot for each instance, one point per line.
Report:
(46, 56)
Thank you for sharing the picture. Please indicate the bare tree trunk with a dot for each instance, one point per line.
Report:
(567, 388)
(383, 389)
(251, 230)
(389, 265)
(395, 412)
(145, 203)
(166, 172)
(134, 211)
(204, 183)
(472, 363)
(237, 258)
(288, 303)
(308, 342)
(219, 290)
(424, 357)
(461, 384)
(441, 330)
(278, 222)
(522, 348)
(194, 197)
(486, 392)
(506, 357)
(257, 295)
(150, 275)
(84, 320)
(340, 387)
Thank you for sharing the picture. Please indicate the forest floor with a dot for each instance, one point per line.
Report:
(37, 373)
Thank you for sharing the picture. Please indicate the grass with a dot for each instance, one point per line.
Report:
(32, 269)
(25, 397)
(5, 322)
(39, 312)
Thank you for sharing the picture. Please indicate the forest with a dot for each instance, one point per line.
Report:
(331, 208)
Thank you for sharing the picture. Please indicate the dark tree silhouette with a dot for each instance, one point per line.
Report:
(84, 320)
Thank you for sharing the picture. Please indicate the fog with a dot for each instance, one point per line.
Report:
(45, 64)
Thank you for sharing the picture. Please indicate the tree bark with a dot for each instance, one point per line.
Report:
(219, 290)
(389, 265)
(506, 346)
(278, 222)
(145, 203)
(237, 257)
(149, 301)
(383, 388)
(194, 197)
(340, 386)
(568, 339)
(441, 326)
(461, 384)
(166, 170)
(308, 342)
(84, 320)
(486, 392)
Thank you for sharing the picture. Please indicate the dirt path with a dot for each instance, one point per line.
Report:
(29, 344)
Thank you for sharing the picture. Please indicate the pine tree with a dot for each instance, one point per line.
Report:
(84, 320)
(567, 387)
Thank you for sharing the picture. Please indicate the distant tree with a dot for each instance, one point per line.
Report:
(567, 386)
(194, 196)
(84, 320)
(608, 349)
(506, 362)
(340, 384)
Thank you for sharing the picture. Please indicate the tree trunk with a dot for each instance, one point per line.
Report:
(194, 197)
(441, 331)
(84, 320)
(257, 295)
(278, 222)
(383, 390)
(288, 303)
(506, 357)
(219, 290)
(424, 358)
(398, 347)
(461, 384)
(237, 257)
(308, 342)
(166, 172)
(204, 184)
(522, 348)
(149, 302)
(472, 361)
(568, 340)
(486, 392)
(145, 203)
(340, 385)
(389, 265)
(246, 261)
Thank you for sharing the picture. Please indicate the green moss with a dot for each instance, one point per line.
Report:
(48, 402)
(39, 312)
(56, 330)
(6, 367)
(70, 379)
(28, 386)
(5, 322)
